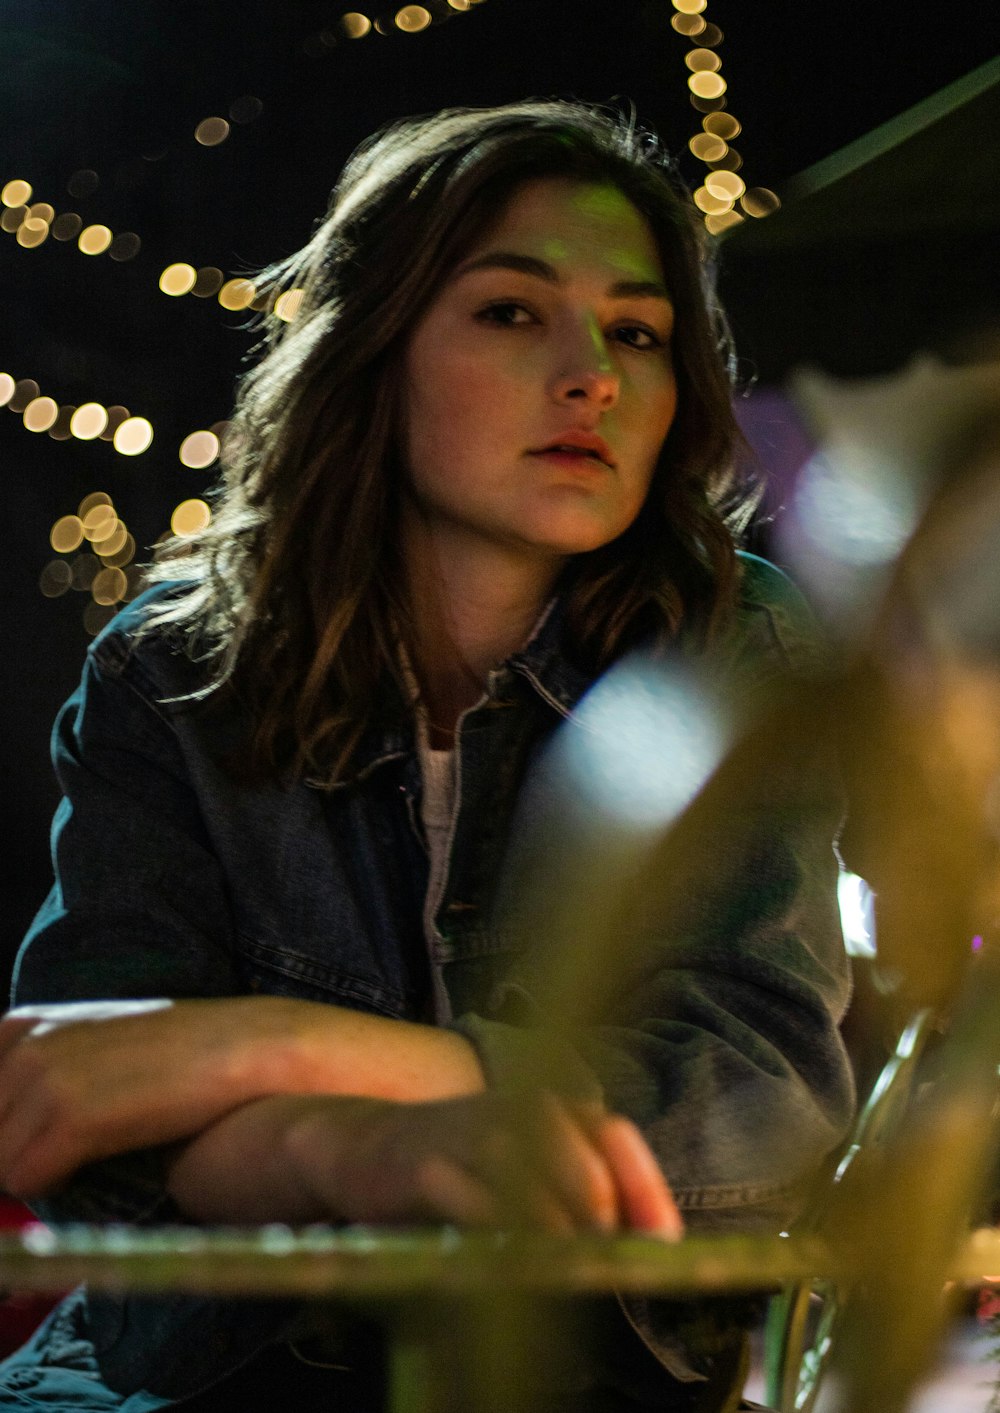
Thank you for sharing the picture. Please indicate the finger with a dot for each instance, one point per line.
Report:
(578, 1168)
(451, 1195)
(524, 1195)
(646, 1201)
(28, 1164)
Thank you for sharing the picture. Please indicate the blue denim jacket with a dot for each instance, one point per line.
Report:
(175, 879)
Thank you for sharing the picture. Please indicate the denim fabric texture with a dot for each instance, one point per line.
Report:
(175, 879)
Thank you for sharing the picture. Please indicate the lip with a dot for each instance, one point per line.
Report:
(586, 442)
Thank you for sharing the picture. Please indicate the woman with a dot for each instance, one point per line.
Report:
(491, 455)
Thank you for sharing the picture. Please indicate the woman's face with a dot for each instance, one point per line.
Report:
(539, 383)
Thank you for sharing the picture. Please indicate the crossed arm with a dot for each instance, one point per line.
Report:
(288, 1110)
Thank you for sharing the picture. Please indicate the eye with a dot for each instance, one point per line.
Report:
(639, 337)
(508, 313)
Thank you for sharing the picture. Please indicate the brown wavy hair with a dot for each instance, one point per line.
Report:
(293, 595)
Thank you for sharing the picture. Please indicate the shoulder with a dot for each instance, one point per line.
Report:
(140, 647)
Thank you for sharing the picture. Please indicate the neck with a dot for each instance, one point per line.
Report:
(472, 605)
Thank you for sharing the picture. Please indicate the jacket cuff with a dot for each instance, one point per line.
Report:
(516, 1058)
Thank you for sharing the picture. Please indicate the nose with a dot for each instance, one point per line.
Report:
(586, 371)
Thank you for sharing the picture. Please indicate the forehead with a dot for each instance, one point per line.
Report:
(566, 222)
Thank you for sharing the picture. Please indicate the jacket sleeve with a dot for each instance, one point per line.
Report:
(138, 907)
(718, 1032)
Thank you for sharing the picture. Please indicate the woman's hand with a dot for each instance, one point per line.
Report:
(86, 1080)
(484, 1160)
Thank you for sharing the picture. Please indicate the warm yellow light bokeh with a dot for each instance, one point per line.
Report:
(12, 217)
(355, 25)
(190, 517)
(133, 436)
(725, 184)
(711, 204)
(7, 386)
(286, 306)
(707, 148)
(199, 449)
(208, 282)
(67, 226)
(16, 193)
(40, 414)
(55, 578)
(89, 501)
(690, 7)
(108, 586)
(125, 246)
(412, 18)
(178, 279)
(237, 294)
(722, 125)
(94, 240)
(88, 421)
(42, 211)
(31, 232)
(112, 543)
(99, 523)
(760, 201)
(707, 85)
(211, 131)
(66, 534)
(702, 61)
(689, 25)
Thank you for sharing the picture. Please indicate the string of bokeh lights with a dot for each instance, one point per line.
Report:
(111, 579)
(722, 188)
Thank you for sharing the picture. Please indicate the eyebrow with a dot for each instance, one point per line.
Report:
(541, 269)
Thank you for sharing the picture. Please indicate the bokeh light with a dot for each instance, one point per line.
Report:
(99, 523)
(125, 246)
(83, 567)
(286, 306)
(67, 226)
(7, 386)
(460, 4)
(94, 240)
(708, 202)
(66, 534)
(59, 431)
(24, 390)
(121, 556)
(89, 501)
(706, 147)
(12, 218)
(760, 201)
(722, 125)
(42, 211)
(116, 416)
(412, 18)
(40, 414)
(725, 184)
(207, 282)
(707, 85)
(710, 36)
(689, 25)
(133, 436)
(355, 25)
(16, 193)
(715, 224)
(211, 131)
(178, 279)
(55, 578)
(237, 294)
(88, 421)
(31, 232)
(702, 61)
(111, 544)
(108, 586)
(190, 517)
(690, 7)
(199, 449)
(96, 617)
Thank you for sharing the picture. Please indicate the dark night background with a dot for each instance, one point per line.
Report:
(120, 89)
